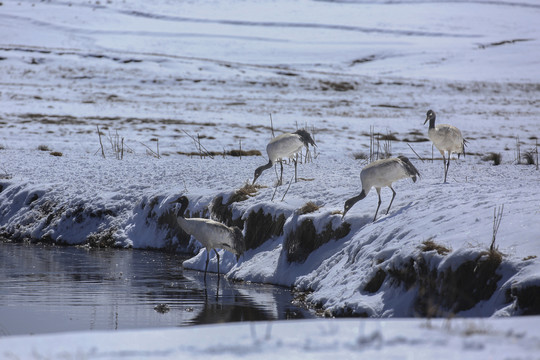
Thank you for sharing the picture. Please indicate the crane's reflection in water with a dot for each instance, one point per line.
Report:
(51, 289)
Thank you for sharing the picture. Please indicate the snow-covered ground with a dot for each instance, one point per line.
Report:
(152, 72)
(309, 339)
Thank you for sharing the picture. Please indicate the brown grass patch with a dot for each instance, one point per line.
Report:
(337, 86)
(308, 207)
(244, 193)
(243, 153)
(235, 153)
(430, 245)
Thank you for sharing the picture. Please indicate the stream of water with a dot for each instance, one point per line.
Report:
(47, 289)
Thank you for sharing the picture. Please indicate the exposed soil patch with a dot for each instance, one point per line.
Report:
(528, 299)
(301, 242)
(443, 293)
(261, 227)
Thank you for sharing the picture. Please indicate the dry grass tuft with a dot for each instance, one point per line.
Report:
(529, 157)
(308, 207)
(56, 153)
(495, 157)
(360, 156)
(430, 245)
(244, 193)
(43, 148)
(492, 257)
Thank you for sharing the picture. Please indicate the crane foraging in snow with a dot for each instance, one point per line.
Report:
(211, 234)
(282, 147)
(382, 173)
(445, 138)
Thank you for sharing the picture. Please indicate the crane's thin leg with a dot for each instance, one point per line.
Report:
(444, 165)
(447, 166)
(206, 267)
(379, 205)
(217, 262)
(295, 165)
(281, 176)
(393, 196)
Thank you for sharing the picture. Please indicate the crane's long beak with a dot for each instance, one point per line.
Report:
(426, 121)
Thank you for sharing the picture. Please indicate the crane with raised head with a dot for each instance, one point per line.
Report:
(446, 138)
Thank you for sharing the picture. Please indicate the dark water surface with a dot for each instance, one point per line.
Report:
(50, 289)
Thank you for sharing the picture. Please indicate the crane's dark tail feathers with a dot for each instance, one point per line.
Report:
(305, 137)
(411, 170)
(465, 142)
(239, 243)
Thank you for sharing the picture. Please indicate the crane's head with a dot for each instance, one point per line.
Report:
(350, 203)
(258, 173)
(430, 115)
(184, 202)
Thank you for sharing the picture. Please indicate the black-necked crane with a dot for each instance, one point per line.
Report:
(382, 173)
(211, 234)
(282, 147)
(445, 138)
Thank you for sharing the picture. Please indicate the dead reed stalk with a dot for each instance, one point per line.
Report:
(497, 217)
(100, 143)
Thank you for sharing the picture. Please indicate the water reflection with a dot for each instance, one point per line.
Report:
(50, 289)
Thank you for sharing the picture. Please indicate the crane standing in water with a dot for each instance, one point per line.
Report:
(211, 234)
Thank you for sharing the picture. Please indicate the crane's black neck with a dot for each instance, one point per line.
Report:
(357, 198)
(432, 122)
(350, 203)
(183, 207)
(260, 169)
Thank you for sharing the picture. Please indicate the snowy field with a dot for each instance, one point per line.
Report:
(309, 339)
(152, 75)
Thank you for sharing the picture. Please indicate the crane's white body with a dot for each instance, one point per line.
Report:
(446, 138)
(211, 234)
(284, 146)
(383, 173)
